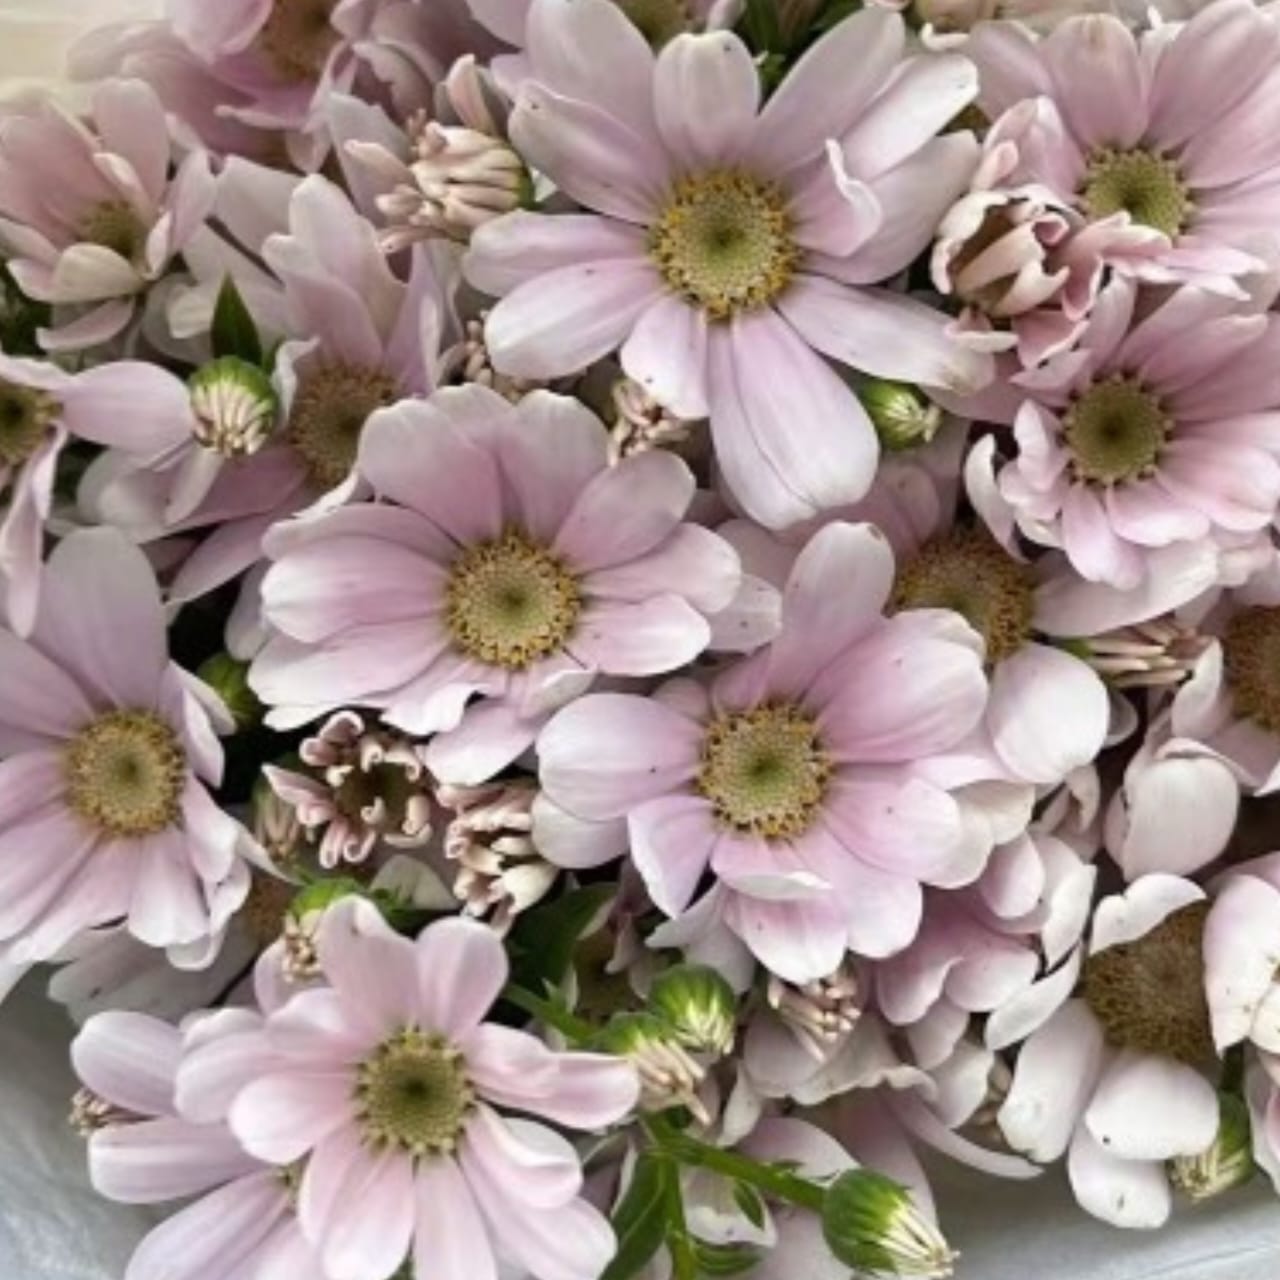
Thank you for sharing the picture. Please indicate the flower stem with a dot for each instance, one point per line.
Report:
(572, 1028)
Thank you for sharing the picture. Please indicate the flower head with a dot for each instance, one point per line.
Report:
(528, 583)
(388, 1083)
(728, 241)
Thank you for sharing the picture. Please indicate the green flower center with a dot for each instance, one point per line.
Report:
(1115, 431)
(25, 417)
(1148, 187)
(971, 574)
(113, 224)
(125, 774)
(413, 1095)
(724, 242)
(510, 602)
(297, 38)
(765, 771)
(1149, 994)
(331, 406)
(658, 20)
(1251, 664)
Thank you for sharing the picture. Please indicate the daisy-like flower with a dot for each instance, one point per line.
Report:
(1153, 133)
(787, 779)
(1125, 445)
(127, 403)
(527, 582)
(657, 20)
(144, 1150)
(728, 242)
(89, 214)
(387, 1082)
(108, 753)
(1120, 1076)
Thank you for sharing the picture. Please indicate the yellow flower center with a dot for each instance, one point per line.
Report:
(297, 38)
(25, 417)
(1115, 431)
(1146, 186)
(330, 408)
(1251, 664)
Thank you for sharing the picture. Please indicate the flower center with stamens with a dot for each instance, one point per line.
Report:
(264, 910)
(1251, 664)
(1148, 187)
(332, 404)
(413, 1095)
(1115, 431)
(125, 773)
(658, 20)
(1149, 994)
(765, 771)
(510, 602)
(113, 224)
(297, 38)
(25, 417)
(724, 242)
(970, 573)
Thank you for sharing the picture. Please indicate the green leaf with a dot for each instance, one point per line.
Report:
(760, 23)
(543, 941)
(749, 1203)
(724, 1259)
(640, 1220)
(234, 332)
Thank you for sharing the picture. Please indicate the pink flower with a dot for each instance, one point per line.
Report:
(505, 571)
(387, 1081)
(658, 22)
(729, 243)
(788, 779)
(1154, 134)
(143, 1150)
(89, 216)
(1125, 445)
(128, 404)
(1120, 1076)
(109, 751)
(365, 340)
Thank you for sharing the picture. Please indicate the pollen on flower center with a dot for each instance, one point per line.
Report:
(724, 242)
(264, 910)
(657, 20)
(511, 602)
(413, 1094)
(125, 773)
(332, 404)
(25, 417)
(1115, 431)
(1251, 664)
(970, 573)
(297, 38)
(1149, 994)
(765, 771)
(113, 224)
(1146, 186)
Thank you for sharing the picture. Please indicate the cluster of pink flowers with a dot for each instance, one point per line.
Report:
(739, 542)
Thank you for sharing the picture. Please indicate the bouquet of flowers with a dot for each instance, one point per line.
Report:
(622, 617)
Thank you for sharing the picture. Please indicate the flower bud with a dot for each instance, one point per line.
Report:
(902, 416)
(669, 1077)
(872, 1224)
(699, 1006)
(235, 406)
(1226, 1163)
(229, 679)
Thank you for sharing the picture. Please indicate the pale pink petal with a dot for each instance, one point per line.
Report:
(491, 736)
(1125, 1193)
(1241, 946)
(1146, 903)
(1092, 544)
(529, 1162)
(41, 701)
(647, 638)
(703, 567)
(139, 407)
(1152, 1108)
(671, 842)
(607, 753)
(706, 92)
(1112, 112)
(910, 828)
(281, 1116)
(573, 843)
(590, 1091)
(462, 969)
(129, 1059)
(157, 1160)
(800, 941)
(667, 355)
(450, 1239)
(370, 1233)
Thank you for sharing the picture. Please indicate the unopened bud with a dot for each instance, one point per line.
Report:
(872, 1224)
(699, 1005)
(235, 406)
(229, 679)
(669, 1077)
(1226, 1163)
(902, 416)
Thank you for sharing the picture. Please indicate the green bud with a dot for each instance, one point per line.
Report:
(229, 679)
(320, 895)
(903, 417)
(872, 1224)
(235, 406)
(699, 1005)
(1225, 1164)
(669, 1077)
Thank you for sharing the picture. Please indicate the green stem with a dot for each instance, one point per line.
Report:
(569, 1026)
(778, 1183)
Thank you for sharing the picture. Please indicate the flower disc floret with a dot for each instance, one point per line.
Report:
(1147, 186)
(1116, 431)
(25, 417)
